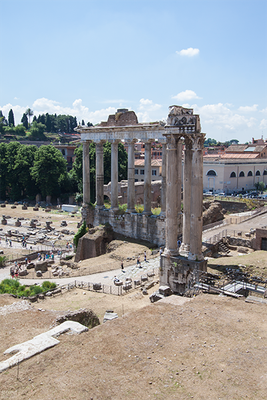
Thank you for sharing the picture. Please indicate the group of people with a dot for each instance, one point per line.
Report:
(14, 270)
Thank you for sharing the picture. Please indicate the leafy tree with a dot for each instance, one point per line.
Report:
(48, 122)
(20, 130)
(83, 122)
(24, 121)
(37, 131)
(24, 184)
(11, 119)
(29, 113)
(48, 167)
(260, 186)
(3, 122)
(3, 170)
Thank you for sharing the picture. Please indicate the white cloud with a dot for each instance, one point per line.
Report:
(221, 117)
(148, 111)
(248, 108)
(190, 52)
(186, 96)
(263, 124)
(264, 110)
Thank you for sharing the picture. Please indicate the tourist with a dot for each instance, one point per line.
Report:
(160, 251)
(12, 273)
(145, 256)
(16, 273)
(122, 266)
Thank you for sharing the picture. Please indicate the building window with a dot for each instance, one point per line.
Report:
(250, 173)
(241, 174)
(211, 172)
(265, 172)
(136, 171)
(258, 173)
(136, 180)
(154, 172)
(233, 175)
(142, 172)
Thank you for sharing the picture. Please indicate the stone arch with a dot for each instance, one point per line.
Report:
(265, 172)
(250, 173)
(211, 172)
(241, 174)
(233, 174)
(257, 173)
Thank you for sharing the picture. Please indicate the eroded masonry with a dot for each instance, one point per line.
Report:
(181, 135)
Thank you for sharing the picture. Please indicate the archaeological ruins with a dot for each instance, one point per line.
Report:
(181, 133)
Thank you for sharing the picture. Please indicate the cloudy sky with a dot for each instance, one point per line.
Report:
(89, 57)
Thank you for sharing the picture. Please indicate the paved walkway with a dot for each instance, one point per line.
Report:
(107, 277)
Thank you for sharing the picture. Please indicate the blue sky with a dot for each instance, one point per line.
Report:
(89, 57)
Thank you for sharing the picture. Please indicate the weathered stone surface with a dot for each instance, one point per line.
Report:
(155, 297)
(30, 265)
(109, 315)
(212, 212)
(38, 344)
(23, 273)
(41, 266)
(39, 274)
(165, 290)
(93, 245)
(84, 316)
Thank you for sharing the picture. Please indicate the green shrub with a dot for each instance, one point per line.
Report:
(46, 285)
(81, 231)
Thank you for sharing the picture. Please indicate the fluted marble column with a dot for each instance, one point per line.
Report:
(195, 252)
(171, 196)
(86, 173)
(114, 175)
(147, 182)
(185, 247)
(131, 186)
(163, 180)
(99, 175)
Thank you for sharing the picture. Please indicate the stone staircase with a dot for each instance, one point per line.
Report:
(223, 248)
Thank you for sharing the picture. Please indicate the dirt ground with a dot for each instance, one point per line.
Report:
(210, 347)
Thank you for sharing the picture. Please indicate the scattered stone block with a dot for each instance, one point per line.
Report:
(156, 296)
(165, 291)
(109, 316)
(39, 274)
(23, 272)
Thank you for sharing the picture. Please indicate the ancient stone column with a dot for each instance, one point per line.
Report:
(147, 182)
(99, 175)
(179, 177)
(86, 173)
(187, 172)
(114, 175)
(171, 196)
(163, 181)
(131, 187)
(195, 252)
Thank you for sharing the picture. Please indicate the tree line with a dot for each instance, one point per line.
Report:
(50, 123)
(26, 171)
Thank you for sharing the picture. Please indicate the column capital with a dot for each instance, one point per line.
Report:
(198, 141)
(114, 141)
(130, 141)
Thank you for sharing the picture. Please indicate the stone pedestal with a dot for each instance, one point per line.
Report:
(179, 273)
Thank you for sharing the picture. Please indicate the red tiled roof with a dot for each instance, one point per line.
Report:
(154, 163)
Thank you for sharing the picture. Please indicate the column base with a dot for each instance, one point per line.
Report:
(131, 210)
(184, 250)
(147, 213)
(195, 257)
(170, 252)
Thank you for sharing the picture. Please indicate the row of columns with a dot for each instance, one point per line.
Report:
(171, 188)
(192, 196)
(114, 176)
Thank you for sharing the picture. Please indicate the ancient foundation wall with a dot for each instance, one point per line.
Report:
(137, 226)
